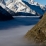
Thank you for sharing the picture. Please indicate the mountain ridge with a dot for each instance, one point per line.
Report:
(21, 6)
(38, 32)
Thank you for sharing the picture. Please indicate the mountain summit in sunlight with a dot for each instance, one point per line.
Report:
(38, 32)
(30, 6)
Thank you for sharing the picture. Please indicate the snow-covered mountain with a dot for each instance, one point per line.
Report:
(27, 7)
(2, 1)
(19, 6)
(32, 2)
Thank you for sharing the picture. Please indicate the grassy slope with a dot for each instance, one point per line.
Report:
(38, 32)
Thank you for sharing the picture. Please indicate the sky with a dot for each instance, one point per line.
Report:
(40, 1)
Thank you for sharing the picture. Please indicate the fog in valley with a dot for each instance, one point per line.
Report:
(12, 32)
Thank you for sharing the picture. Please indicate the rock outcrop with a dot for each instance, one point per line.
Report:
(38, 32)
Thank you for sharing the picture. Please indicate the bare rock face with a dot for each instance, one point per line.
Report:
(38, 32)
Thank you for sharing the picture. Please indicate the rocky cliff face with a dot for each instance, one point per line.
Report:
(38, 32)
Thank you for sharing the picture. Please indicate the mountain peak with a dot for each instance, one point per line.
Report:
(32, 0)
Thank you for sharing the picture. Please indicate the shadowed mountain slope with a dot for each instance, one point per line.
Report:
(4, 15)
(24, 14)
